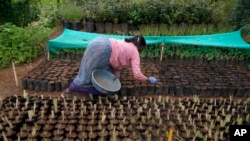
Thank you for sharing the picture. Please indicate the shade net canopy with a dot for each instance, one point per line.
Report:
(71, 39)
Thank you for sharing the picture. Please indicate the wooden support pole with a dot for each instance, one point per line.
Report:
(162, 49)
(14, 70)
(48, 55)
(170, 134)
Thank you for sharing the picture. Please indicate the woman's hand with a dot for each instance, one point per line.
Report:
(116, 77)
(152, 80)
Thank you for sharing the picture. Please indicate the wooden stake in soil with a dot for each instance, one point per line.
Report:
(162, 49)
(14, 70)
(170, 134)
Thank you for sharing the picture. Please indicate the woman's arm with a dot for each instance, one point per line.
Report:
(136, 69)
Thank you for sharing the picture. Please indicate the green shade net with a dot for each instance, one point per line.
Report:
(72, 39)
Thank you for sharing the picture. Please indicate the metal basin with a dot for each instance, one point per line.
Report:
(104, 82)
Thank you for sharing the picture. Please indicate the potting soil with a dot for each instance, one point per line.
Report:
(122, 117)
(204, 79)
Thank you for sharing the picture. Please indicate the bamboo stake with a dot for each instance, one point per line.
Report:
(14, 70)
(48, 55)
(170, 134)
(162, 49)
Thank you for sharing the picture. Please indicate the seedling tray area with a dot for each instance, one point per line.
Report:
(120, 118)
(177, 77)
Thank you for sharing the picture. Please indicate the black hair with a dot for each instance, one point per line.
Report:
(138, 41)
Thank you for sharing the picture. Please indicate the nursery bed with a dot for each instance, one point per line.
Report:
(177, 77)
(120, 118)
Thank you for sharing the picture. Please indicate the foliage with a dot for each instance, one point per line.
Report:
(5, 14)
(50, 16)
(20, 12)
(155, 11)
(241, 14)
(187, 51)
(89, 10)
(21, 45)
(104, 12)
(71, 11)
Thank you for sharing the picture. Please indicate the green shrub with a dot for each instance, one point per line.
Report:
(71, 12)
(50, 16)
(19, 12)
(21, 45)
(241, 14)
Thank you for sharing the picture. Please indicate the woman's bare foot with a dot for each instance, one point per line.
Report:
(66, 94)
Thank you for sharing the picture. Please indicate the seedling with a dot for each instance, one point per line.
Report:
(157, 114)
(163, 105)
(155, 106)
(17, 102)
(74, 106)
(222, 123)
(248, 118)
(103, 117)
(228, 107)
(71, 128)
(93, 114)
(113, 113)
(42, 114)
(34, 107)
(4, 136)
(228, 118)
(55, 104)
(65, 104)
(212, 124)
(33, 132)
(91, 97)
(208, 117)
(81, 114)
(143, 119)
(182, 108)
(27, 103)
(245, 109)
(103, 133)
(199, 116)
(121, 113)
(52, 114)
(30, 114)
(159, 99)
(5, 119)
(173, 108)
(25, 94)
(63, 115)
(196, 99)
(132, 120)
(10, 113)
(238, 101)
(195, 109)
(218, 118)
(114, 135)
(124, 129)
(167, 99)
(129, 105)
(233, 111)
(239, 121)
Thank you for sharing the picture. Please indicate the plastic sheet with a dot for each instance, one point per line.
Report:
(79, 39)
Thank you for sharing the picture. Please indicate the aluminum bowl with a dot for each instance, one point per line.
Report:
(105, 82)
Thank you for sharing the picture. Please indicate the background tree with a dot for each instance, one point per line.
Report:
(5, 6)
(20, 12)
(241, 14)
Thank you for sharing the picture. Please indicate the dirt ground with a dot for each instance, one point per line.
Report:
(8, 85)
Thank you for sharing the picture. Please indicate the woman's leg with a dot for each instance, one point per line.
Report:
(96, 56)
